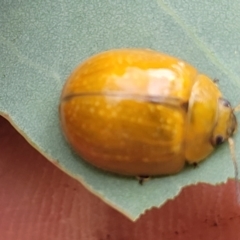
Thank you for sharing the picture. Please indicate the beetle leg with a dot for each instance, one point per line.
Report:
(142, 178)
(195, 164)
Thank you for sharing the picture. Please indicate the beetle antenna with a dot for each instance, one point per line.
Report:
(233, 155)
(237, 108)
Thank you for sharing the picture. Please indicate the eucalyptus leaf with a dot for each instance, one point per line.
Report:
(42, 41)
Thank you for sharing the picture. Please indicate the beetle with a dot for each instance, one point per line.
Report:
(140, 112)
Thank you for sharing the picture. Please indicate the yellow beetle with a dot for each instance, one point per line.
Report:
(140, 112)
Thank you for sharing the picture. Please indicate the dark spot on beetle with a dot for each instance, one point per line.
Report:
(176, 232)
(215, 224)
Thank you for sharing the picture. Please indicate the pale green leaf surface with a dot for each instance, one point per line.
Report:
(42, 41)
